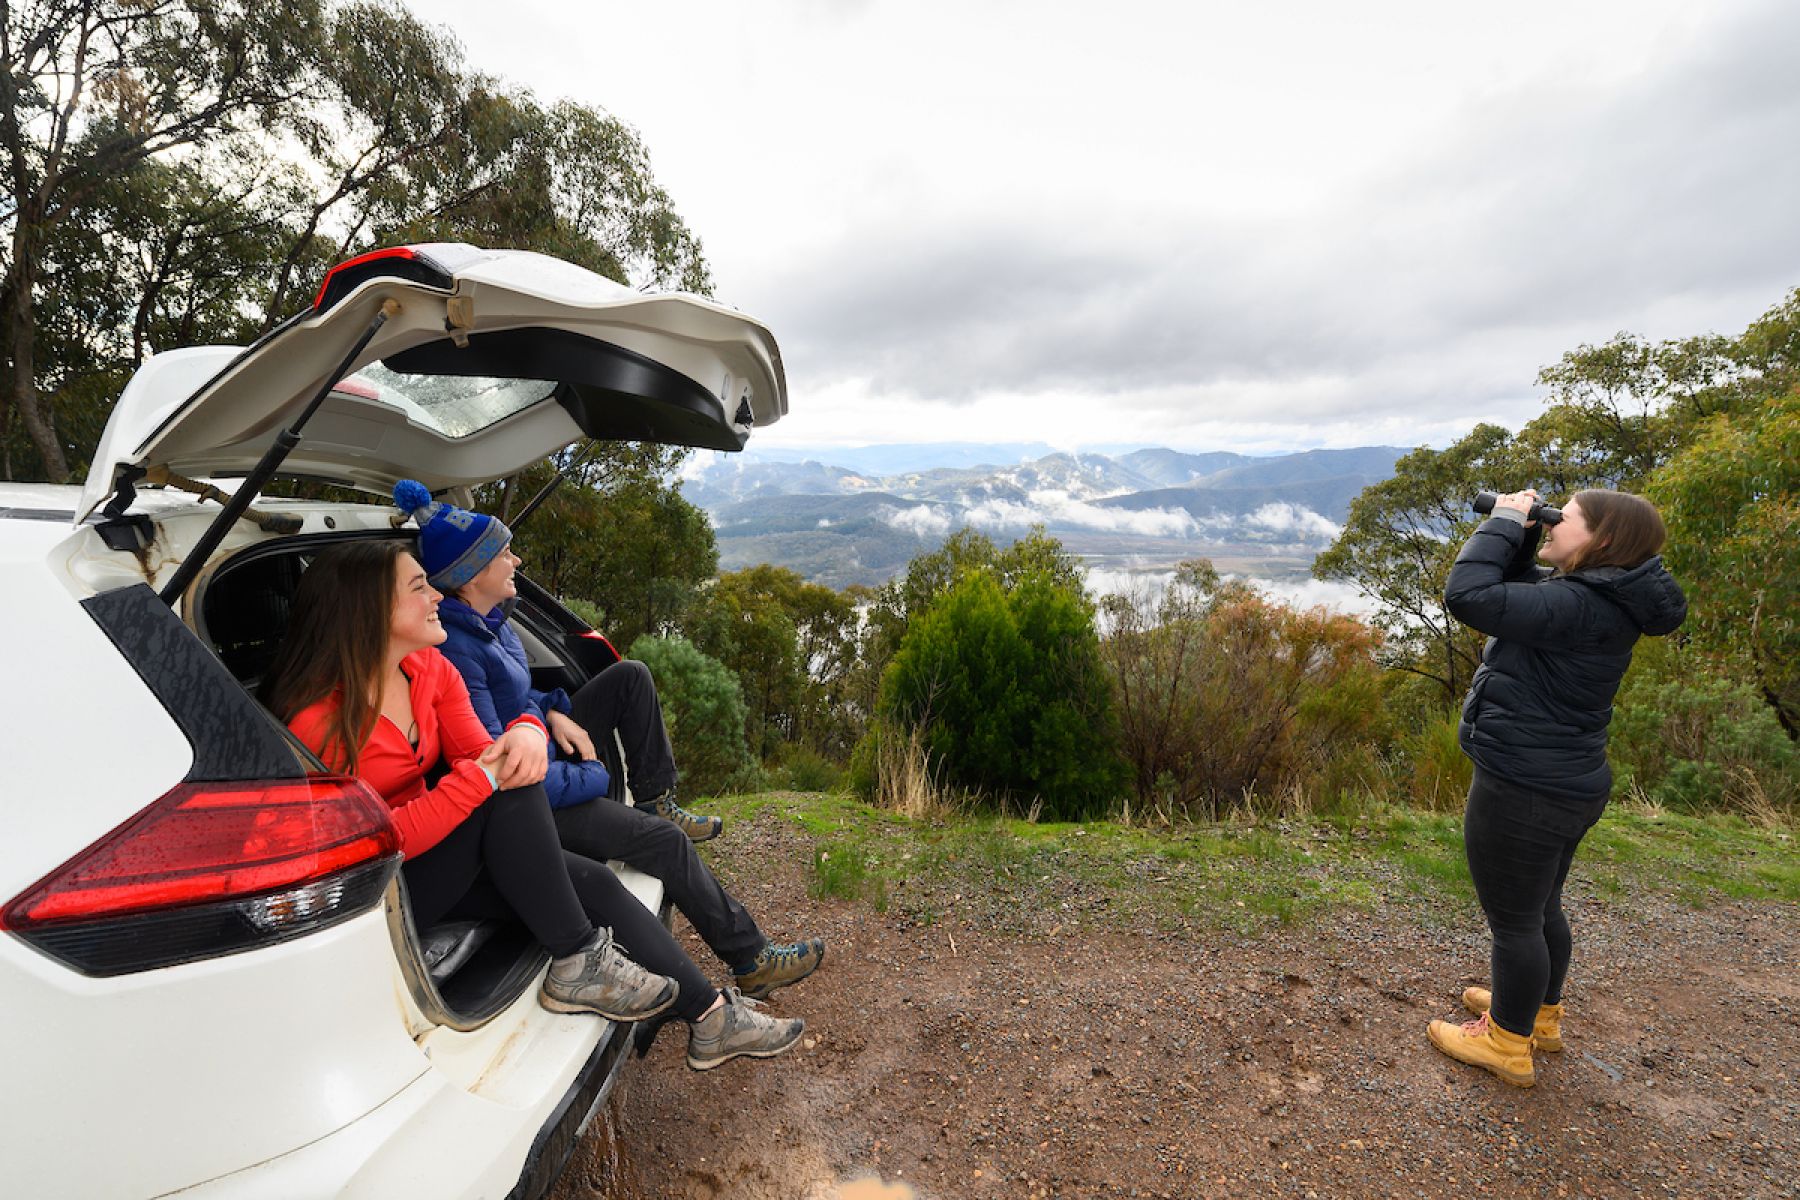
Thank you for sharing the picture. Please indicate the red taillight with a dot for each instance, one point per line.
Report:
(400, 252)
(211, 868)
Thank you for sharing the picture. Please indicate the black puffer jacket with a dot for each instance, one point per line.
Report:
(1558, 647)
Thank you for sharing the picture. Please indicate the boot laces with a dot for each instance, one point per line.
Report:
(781, 956)
(1476, 1028)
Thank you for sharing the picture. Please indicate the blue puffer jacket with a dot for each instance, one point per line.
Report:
(1540, 703)
(491, 660)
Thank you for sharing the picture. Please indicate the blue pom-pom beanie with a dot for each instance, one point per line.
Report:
(454, 543)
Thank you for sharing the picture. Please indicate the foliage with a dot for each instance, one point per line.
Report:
(704, 711)
(617, 534)
(1732, 503)
(800, 769)
(1434, 772)
(793, 647)
(184, 172)
(895, 605)
(1693, 741)
(1007, 687)
(1399, 541)
(1223, 696)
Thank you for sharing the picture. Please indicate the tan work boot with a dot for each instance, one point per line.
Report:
(1482, 1043)
(1546, 1031)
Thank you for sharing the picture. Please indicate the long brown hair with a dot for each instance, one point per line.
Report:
(337, 642)
(1626, 530)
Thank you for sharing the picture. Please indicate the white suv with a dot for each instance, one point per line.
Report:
(209, 980)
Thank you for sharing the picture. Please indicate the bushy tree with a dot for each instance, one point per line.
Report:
(704, 710)
(1223, 696)
(1007, 687)
(793, 647)
(1693, 739)
(618, 534)
(184, 172)
(1399, 541)
(1731, 500)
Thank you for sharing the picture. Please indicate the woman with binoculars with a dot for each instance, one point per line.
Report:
(1535, 724)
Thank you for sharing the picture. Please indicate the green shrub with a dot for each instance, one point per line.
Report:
(1225, 700)
(704, 710)
(1008, 691)
(1435, 773)
(1702, 742)
(801, 769)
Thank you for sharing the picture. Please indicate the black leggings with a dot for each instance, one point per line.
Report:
(504, 862)
(1520, 843)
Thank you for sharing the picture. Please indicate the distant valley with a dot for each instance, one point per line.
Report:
(858, 515)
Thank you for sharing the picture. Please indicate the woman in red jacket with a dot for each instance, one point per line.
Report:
(360, 681)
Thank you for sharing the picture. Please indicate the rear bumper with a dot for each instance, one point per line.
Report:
(435, 1139)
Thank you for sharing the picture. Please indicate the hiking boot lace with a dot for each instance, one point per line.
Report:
(1476, 1028)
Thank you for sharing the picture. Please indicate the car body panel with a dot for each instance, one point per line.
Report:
(114, 749)
(202, 1069)
(215, 410)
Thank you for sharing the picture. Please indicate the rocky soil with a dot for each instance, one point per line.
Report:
(1002, 1053)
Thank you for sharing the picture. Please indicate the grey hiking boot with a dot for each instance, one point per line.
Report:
(736, 1028)
(602, 980)
(778, 966)
(698, 829)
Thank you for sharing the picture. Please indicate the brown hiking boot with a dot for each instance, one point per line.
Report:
(1546, 1031)
(1481, 1043)
(698, 828)
(778, 966)
(737, 1028)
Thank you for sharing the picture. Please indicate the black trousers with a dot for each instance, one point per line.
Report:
(1520, 844)
(504, 862)
(623, 698)
(601, 829)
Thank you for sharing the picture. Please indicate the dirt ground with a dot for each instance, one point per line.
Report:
(997, 1053)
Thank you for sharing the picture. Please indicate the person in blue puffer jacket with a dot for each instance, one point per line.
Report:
(1535, 724)
(468, 557)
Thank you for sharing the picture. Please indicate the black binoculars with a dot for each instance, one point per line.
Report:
(1549, 514)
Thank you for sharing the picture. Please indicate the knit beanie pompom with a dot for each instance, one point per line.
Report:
(455, 545)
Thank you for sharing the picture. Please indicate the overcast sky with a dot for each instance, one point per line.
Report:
(1208, 226)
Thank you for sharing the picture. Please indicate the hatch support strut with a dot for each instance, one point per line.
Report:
(556, 481)
(272, 458)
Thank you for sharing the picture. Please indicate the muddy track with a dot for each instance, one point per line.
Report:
(983, 1056)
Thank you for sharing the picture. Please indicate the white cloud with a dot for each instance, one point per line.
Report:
(922, 521)
(1285, 518)
(1205, 226)
(1059, 510)
(1148, 587)
(1316, 593)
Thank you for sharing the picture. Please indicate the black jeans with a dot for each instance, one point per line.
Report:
(601, 829)
(1520, 843)
(504, 862)
(623, 697)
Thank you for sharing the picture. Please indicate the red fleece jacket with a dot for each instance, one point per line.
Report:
(448, 730)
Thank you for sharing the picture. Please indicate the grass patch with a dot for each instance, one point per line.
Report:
(1243, 876)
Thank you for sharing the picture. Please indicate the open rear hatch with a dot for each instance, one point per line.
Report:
(488, 361)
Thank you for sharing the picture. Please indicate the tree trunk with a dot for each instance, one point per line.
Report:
(21, 319)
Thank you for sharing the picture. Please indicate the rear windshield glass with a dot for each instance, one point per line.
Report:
(454, 405)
